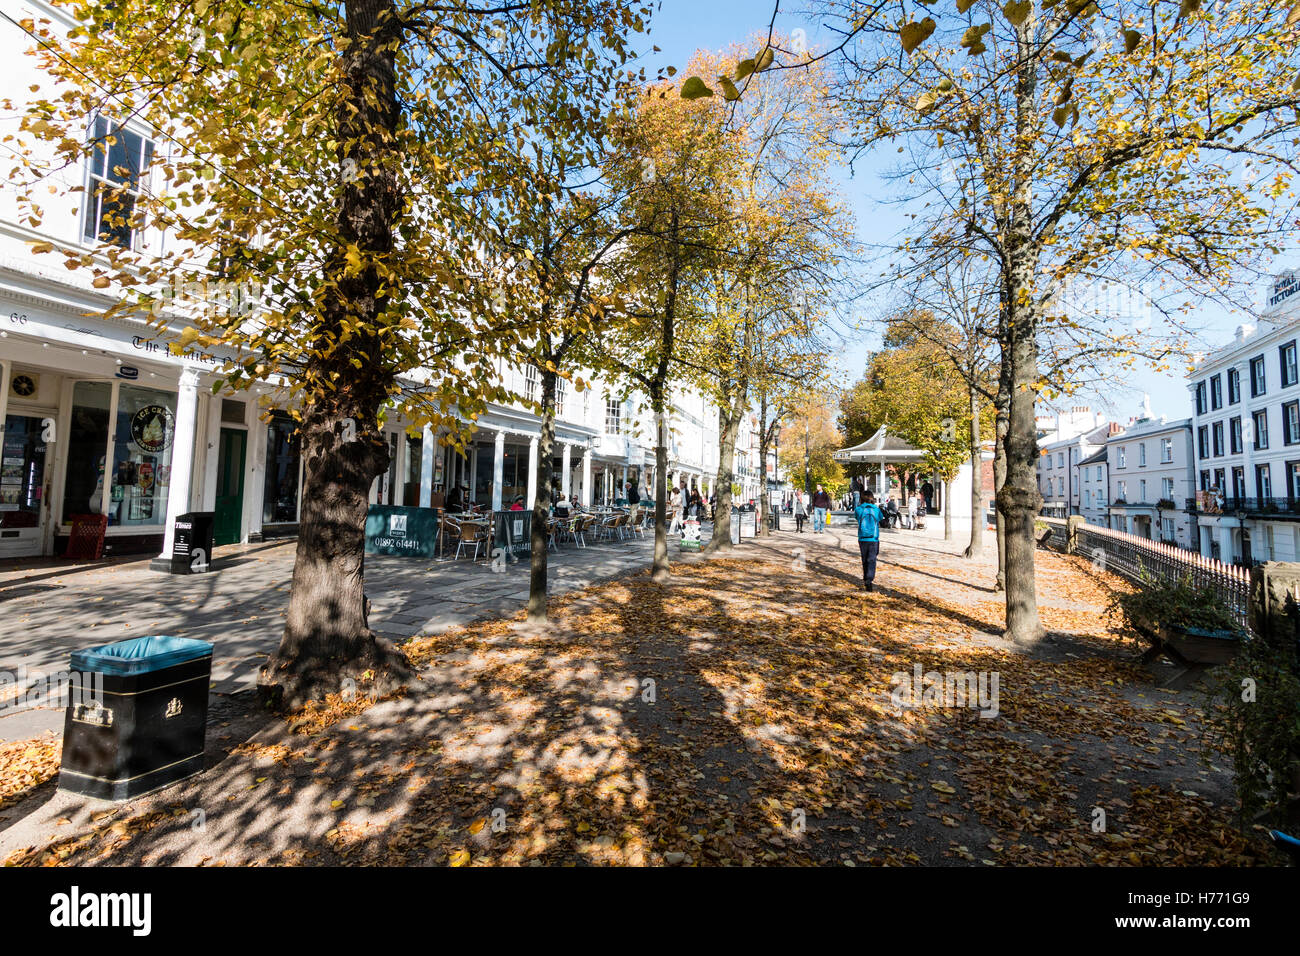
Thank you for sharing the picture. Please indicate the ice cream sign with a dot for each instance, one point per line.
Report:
(152, 428)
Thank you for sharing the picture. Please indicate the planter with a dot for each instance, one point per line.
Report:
(1200, 646)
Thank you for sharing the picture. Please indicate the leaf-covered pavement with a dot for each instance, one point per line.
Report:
(739, 715)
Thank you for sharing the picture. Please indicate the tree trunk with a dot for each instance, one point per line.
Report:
(760, 519)
(729, 425)
(537, 583)
(976, 546)
(1018, 500)
(661, 571)
(327, 639)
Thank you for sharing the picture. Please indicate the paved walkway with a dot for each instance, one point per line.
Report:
(49, 610)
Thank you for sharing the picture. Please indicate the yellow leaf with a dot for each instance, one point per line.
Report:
(101, 282)
(1017, 11)
(914, 34)
(459, 858)
(478, 825)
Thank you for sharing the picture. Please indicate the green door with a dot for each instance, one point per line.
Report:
(228, 523)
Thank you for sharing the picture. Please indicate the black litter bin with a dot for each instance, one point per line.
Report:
(136, 716)
(192, 542)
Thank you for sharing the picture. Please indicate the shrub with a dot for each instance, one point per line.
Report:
(1253, 719)
(1179, 603)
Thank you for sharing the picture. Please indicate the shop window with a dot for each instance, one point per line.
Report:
(142, 456)
(117, 164)
(280, 496)
(83, 486)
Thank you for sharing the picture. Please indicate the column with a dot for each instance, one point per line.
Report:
(498, 471)
(884, 484)
(586, 477)
(427, 448)
(532, 473)
(4, 402)
(1226, 551)
(622, 488)
(178, 497)
(565, 466)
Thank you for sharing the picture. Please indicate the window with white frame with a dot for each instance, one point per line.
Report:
(1121, 459)
(1166, 450)
(530, 382)
(613, 415)
(118, 163)
(561, 387)
(1142, 454)
(1167, 489)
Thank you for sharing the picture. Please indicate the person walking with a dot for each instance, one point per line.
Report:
(927, 492)
(912, 507)
(868, 517)
(800, 511)
(821, 503)
(675, 502)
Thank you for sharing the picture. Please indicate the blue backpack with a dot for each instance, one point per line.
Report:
(868, 522)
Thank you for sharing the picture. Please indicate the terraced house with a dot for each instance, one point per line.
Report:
(1246, 430)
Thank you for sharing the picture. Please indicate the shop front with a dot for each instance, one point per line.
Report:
(101, 420)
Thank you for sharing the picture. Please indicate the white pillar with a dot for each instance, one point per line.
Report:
(884, 483)
(498, 471)
(4, 399)
(1226, 550)
(586, 477)
(178, 495)
(427, 447)
(532, 474)
(566, 466)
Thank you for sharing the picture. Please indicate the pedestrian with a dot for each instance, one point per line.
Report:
(633, 500)
(821, 503)
(913, 503)
(868, 516)
(927, 492)
(675, 503)
(800, 511)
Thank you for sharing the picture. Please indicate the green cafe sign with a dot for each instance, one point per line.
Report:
(411, 532)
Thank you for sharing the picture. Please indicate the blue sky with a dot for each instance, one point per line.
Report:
(680, 27)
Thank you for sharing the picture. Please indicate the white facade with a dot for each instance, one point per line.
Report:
(1063, 443)
(1150, 470)
(1246, 434)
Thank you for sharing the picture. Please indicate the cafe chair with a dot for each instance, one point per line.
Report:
(476, 537)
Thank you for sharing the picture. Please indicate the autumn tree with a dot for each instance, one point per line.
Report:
(1077, 141)
(765, 299)
(678, 167)
(912, 387)
(337, 156)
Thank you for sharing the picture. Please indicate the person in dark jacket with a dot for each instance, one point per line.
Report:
(868, 517)
(821, 503)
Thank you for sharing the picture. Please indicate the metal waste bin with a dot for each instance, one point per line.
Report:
(192, 542)
(137, 712)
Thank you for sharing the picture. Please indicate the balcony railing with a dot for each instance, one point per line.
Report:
(1254, 507)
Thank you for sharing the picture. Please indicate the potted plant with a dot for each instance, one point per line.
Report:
(1194, 621)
